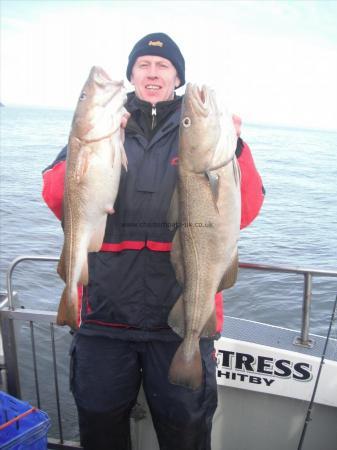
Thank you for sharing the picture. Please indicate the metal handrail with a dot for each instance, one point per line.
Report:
(10, 271)
(298, 270)
(5, 300)
(308, 274)
(302, 340)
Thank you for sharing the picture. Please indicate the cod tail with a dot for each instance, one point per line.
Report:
(186, 368)
(67, 311)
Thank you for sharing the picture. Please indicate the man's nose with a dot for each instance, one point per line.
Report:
(152, 72)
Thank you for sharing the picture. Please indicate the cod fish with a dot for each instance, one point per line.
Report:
(94, 159)
(207, 208)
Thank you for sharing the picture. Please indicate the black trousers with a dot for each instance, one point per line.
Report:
(106, 375)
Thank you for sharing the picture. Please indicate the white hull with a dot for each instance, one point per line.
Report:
(260, 411)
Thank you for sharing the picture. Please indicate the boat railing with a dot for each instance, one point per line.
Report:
(9, 314)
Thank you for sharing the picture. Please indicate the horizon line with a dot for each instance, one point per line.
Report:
(246, 123)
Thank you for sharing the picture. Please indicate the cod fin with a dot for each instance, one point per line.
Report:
(67, 312)
(123, 154)
(173, 212)
(176, 259)
(213, 179)
(236, 171)
(82, 163)
(122, 135)
(97, 237)
(62, 309)
(210, 326)
(176, 319)
(61, 267)
(230, 276)
(84, 278)
(186, 372)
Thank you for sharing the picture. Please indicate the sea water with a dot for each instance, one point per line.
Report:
(296, 227)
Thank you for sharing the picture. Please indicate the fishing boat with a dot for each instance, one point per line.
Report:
(277, 387)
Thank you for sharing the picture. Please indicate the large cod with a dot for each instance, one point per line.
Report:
(207, 207)
(94, 159)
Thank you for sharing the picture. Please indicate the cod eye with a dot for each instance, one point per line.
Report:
(83, 96)
(186, 122)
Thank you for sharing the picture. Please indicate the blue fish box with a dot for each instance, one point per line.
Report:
(22, 427)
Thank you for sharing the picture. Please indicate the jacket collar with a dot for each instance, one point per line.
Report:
(133, 103)
(167, 115)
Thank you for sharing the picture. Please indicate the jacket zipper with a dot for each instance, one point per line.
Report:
(154, 117)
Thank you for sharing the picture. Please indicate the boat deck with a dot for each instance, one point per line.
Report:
(277, 337)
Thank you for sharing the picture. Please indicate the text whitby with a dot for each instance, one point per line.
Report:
(259, 370)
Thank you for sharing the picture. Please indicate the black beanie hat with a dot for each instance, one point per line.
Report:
(158, 44)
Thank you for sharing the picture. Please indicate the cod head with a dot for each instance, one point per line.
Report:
(207, 135)
(199, 128)
(100, 106)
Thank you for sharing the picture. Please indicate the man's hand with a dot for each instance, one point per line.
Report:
(125, 119)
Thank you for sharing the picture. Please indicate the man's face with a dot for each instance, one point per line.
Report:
(154, 78)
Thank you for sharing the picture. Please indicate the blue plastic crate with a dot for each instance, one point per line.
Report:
(28, 432)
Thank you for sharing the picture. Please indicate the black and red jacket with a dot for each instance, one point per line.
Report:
(132, 285)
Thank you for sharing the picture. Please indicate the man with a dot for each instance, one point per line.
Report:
(123, 339)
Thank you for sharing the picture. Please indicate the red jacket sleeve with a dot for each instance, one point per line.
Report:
(252, 191)
(53, 184)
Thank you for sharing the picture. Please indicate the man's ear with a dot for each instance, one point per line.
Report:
(131, 80)
(177, 83)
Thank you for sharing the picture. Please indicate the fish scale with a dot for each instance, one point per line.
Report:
(94, 159)
(207, 204)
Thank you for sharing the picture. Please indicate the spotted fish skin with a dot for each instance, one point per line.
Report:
(207, 205)
(94, 160)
